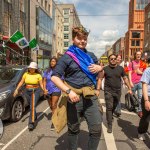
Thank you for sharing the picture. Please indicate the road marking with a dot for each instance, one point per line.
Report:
(11, 141)
(109, 137)
(126, 112)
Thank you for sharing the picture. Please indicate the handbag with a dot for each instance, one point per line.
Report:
(59, 118)
(134, 100)
(131, 102)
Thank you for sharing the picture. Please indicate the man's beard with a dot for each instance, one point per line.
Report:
(112, 65)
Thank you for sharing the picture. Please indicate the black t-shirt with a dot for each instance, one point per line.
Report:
(113, 78)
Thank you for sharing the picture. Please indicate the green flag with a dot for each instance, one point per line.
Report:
(19, 39)
(33, 44)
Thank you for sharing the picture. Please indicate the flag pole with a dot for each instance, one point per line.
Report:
(22, 56)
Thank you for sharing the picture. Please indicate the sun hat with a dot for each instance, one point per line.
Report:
(33, 65)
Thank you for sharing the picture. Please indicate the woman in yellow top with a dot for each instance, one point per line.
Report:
(33, 81)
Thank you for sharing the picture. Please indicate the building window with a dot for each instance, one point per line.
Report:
(66, 28)
(147, 28)
(66, 20)
(66, 44)
(135, 43)
(9, 25)
(66, 11)
(135, 34)
(148, 15)
(45, 5)
(66, 36)
(140, 4)
(22, 27)
(49, 8)
(42, 2)
(22, 5)
(45, 31)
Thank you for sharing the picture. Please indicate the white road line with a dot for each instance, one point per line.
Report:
(11, 141)
(109, 137)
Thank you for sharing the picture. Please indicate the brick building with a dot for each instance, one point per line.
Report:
(134, 37)
(147, 28)
(14, 16)
(118, 47)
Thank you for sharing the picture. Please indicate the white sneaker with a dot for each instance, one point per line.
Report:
(141, 137)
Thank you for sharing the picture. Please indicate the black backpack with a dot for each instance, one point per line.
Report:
(131, 102)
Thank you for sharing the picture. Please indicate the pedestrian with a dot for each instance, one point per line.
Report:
(120, 61)
(74, 65)
(33, 81)
(101, 64)
(145, 103)
(136, 69)
(53, 92)
(113, 74)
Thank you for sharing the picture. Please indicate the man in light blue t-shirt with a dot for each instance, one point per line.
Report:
(144, 121)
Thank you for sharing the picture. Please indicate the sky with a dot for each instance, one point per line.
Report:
(107, 21)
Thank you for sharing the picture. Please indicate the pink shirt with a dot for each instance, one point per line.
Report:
(135, 78)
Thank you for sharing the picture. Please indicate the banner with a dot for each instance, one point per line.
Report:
(33, 44)
(19, 39)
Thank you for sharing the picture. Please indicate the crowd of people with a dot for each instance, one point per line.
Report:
(78, 74)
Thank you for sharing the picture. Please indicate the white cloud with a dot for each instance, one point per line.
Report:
(107, 21)
(97, 45)
(110, 33)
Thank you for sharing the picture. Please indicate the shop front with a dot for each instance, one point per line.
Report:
(10, 53)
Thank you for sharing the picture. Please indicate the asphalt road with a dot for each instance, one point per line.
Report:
(17, 137)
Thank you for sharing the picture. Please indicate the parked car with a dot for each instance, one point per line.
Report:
(12, 107)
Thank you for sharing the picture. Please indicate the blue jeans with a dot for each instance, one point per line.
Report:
(33, 102)
(89, 109)
(138, 87)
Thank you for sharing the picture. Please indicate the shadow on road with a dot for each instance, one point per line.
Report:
(62, 141)
(128, 128)
(130, 131)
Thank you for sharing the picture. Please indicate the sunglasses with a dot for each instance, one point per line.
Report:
(113, 58)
